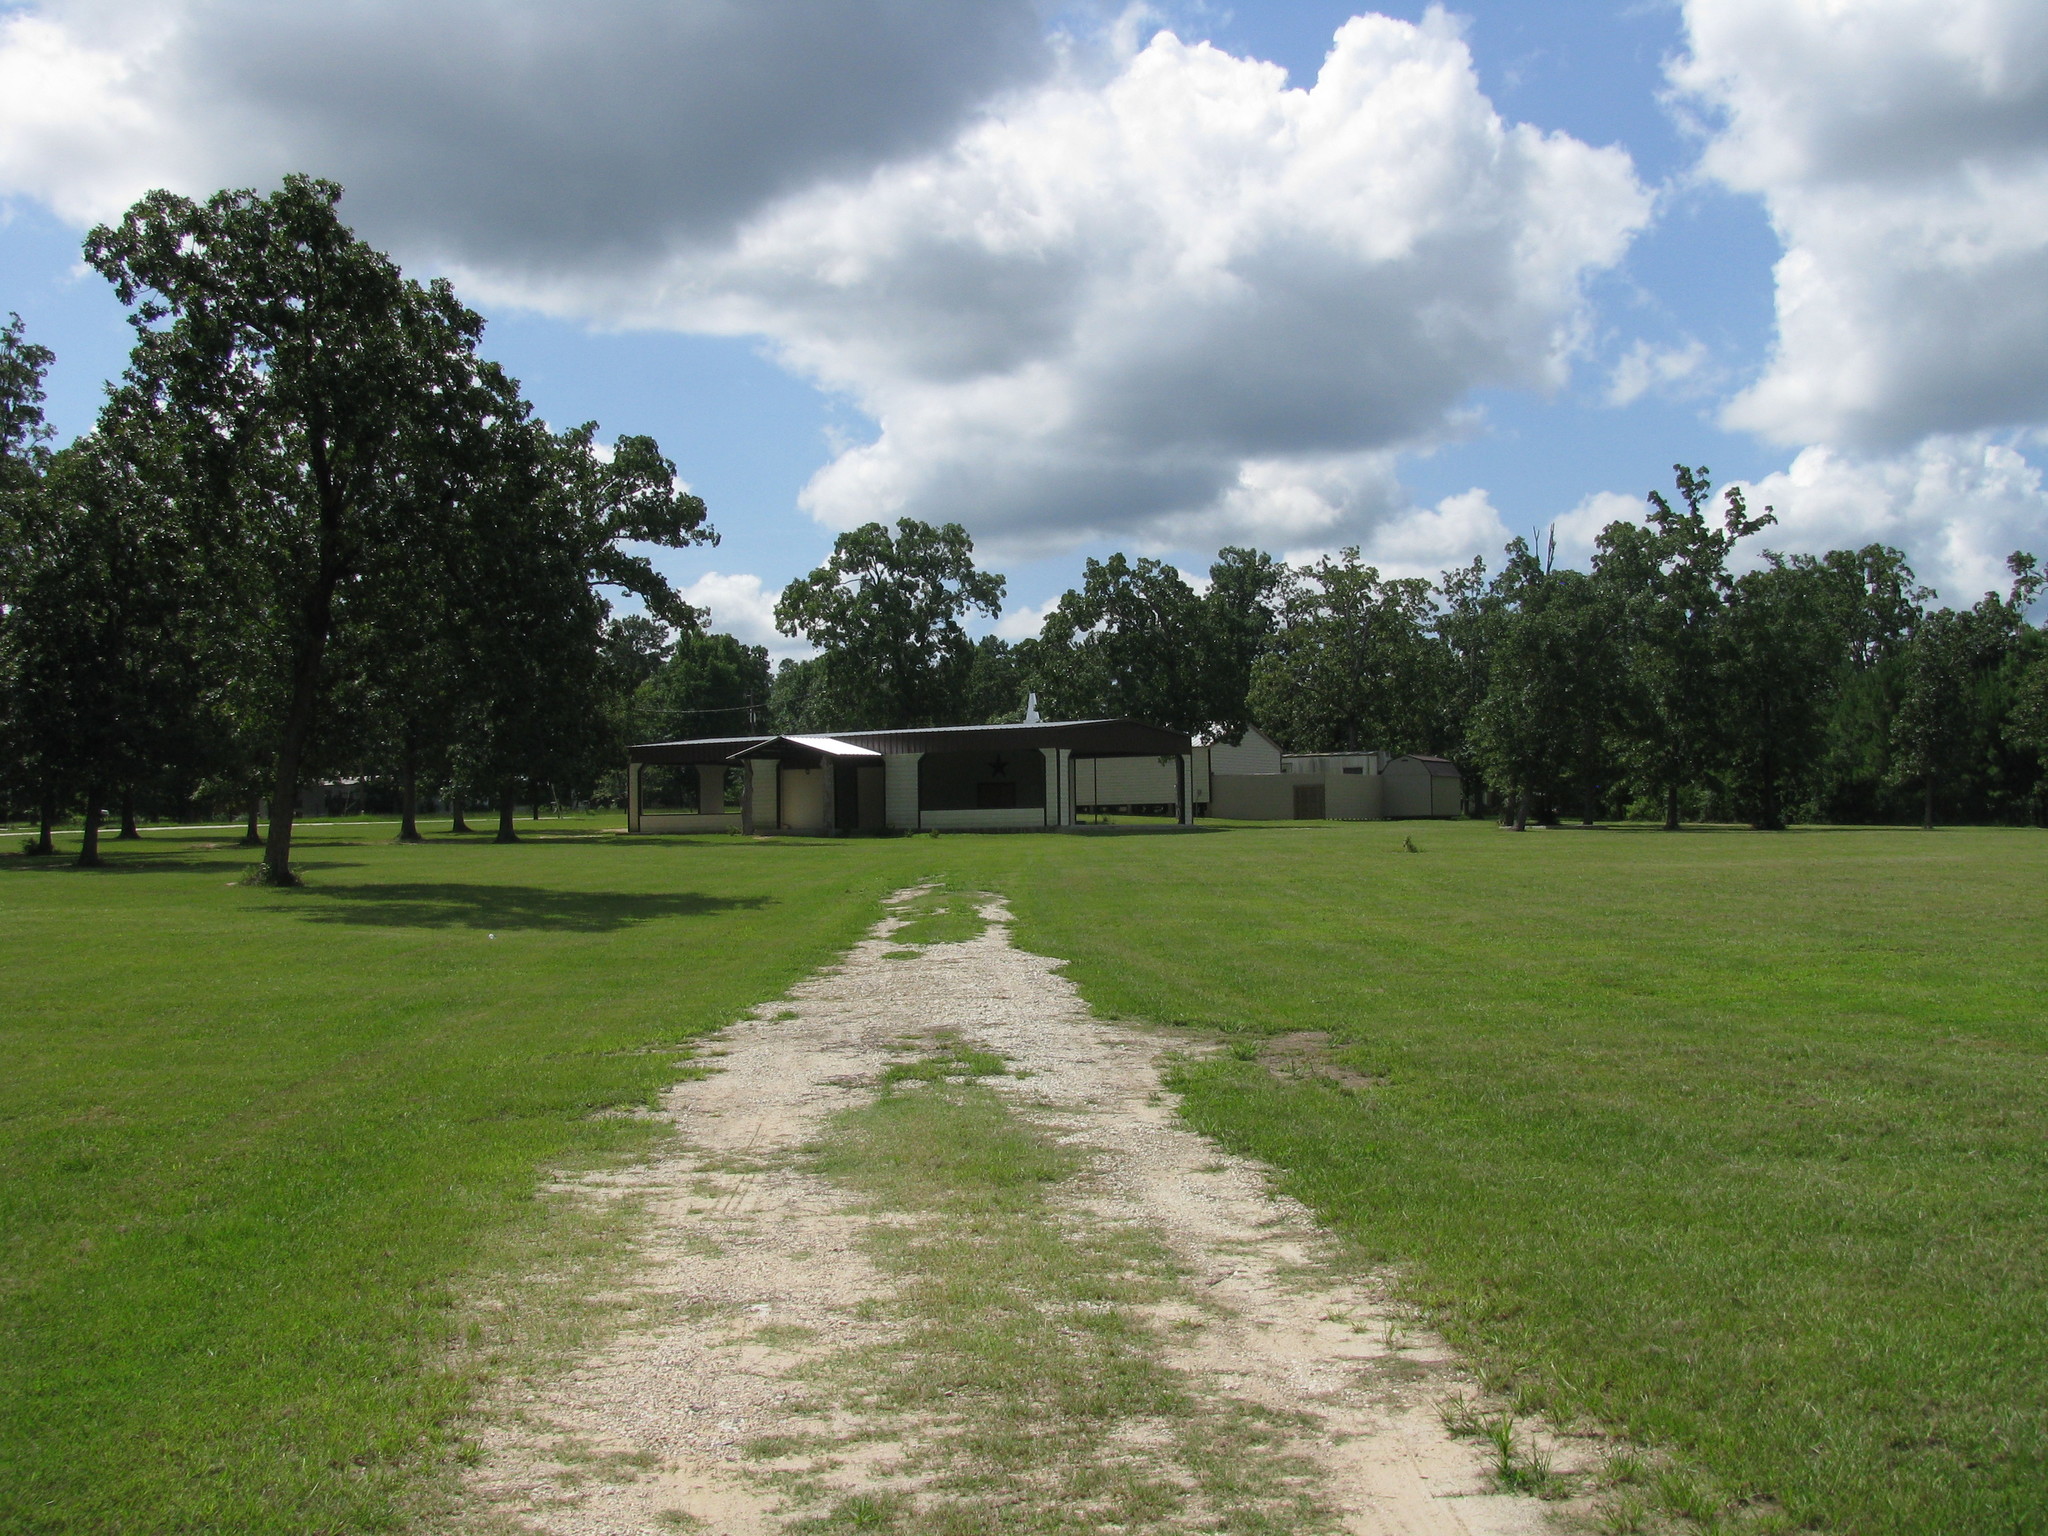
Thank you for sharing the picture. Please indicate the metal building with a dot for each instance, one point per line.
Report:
(950, 778)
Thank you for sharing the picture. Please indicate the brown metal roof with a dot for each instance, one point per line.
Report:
(1084, 738)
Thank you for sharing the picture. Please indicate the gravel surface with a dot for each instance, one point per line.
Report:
(757, 1271)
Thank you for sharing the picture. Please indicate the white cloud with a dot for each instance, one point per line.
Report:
(1901, 149)
(1186, 305)
(517, 133)
(1423, 541)
(1956, 505)
(1645, 367)
(1578, 528)
(1426, 541)
(1176, 306)
(1158, 297)
(1024, 623)
(743, 608)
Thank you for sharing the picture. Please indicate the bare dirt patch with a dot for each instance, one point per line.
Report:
(781, 1376)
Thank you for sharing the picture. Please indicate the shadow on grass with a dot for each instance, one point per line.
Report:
(508, 907)
(131, 861)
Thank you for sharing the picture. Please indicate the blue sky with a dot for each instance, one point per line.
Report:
(803, 292)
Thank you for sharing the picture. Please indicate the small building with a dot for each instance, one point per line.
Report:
(1339, 786)
(942, 778)
(1134, 785)
(1422, 786)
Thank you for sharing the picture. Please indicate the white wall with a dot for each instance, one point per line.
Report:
(1412, 790)
(973, 821)
(1252, 796)
(803, 800)
(1257, 753)
(1126, 781)
(683, 821)
(767, 802)
(900, 794)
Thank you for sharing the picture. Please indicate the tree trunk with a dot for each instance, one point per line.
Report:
(1671, 808)
(284, 793)
(291, 744)
(89, 848)
(251, 837)
(409, 793)
(507, 811)
(1927, 804)
(128, 834)
(456, 822)
(46, 823)
(536, 802)
(1522, 811)
(1589, 810)
(1772, 822)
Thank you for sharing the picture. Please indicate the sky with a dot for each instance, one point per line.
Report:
(1157, 277)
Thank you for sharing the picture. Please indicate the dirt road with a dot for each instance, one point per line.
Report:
(1144, 1338)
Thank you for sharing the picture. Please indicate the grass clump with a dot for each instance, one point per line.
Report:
(953, 1059)
(939, 916)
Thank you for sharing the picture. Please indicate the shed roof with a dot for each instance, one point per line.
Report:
(1436, 767)
(1084, 738)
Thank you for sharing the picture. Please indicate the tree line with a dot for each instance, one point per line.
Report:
(313, 532)
(1662, 682)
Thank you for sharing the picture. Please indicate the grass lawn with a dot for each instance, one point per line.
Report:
(251, 1140)
(1736, 1141)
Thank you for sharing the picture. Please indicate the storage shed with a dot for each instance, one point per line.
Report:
(951, 778)
(1422, 786)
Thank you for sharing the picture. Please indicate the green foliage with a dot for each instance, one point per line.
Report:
(710, 685)
(885, 610)
(1129, 643)
(98, 641)
(1671, 576)
(24, 435)
(1352, 665)
(1551, 700)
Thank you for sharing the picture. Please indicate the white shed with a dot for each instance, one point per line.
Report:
(1422, 786)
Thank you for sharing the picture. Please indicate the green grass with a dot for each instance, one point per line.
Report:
(1736, 1142)
(939, 916)
(256, 1146)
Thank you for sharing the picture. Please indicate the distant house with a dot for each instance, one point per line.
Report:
(955, 778)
